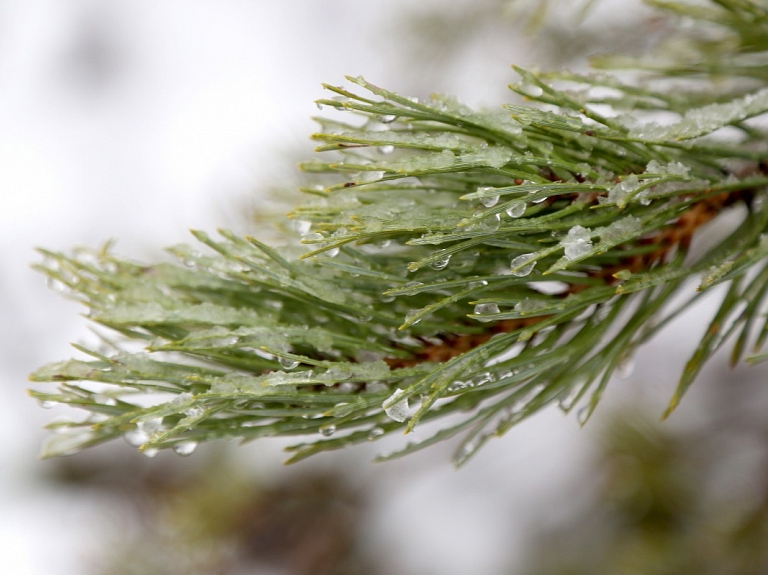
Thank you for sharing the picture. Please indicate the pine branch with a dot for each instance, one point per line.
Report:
(475, 264)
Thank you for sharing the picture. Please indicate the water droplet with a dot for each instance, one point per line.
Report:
(47, 403)
(136, 437)
(527, 305)
(566, 403)
(625, 367)
(465, 451)
(313, 237)
(383, 244)
(288, 363)
(520, 265)
(371, 176)
(486, 309)
(347, 387)
(490, 224)
(332, 253)
(104, 400)
(481, 378)
(458, 385)
(531, 89)
(302, 226)
(151, 452)
(55, 284)
(399, 410)
(375, 387)
(185, 448)
(224, 341)
(441, 263)
(488, 201)
(541, 335)
(387, 118)
(319, 105)
(388, 149)
(375, 433)
(327, 430)
(516, 209)
(410, 315)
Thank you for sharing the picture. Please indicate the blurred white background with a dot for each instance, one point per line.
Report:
(138, 120)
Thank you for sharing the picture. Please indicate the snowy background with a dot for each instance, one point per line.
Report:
(138, 120)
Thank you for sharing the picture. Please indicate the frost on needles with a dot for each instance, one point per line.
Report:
(449, 261)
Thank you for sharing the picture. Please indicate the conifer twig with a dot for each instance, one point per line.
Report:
(481, 264)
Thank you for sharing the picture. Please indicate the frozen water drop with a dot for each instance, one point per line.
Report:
(583, 414)
(136, 438)
(105, 400)
(481, 379)
(399, 410)
(185, 448)
(375, 387)
(288, 363)
(488, 201)
(332, 253)
(490, 224)
(577, 242)
(388, 149)
(327, 430)
(371, 176)
(531, 89)
(348, 387)
(486, 309)
(625, 367)
(319, 105)
(387, 118)
(527, 305)
(55, 284)
(47, 403)
(302, 226)
(313, 237)
(150, 452)
(577, 249)
(410, 315)
(516, 209)
(441, 263)
(194, 412)
(523, 265)
(465, 451)
(375, 433)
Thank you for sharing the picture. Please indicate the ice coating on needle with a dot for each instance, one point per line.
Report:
(704, 120)
(399, 410)
(577, 243)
